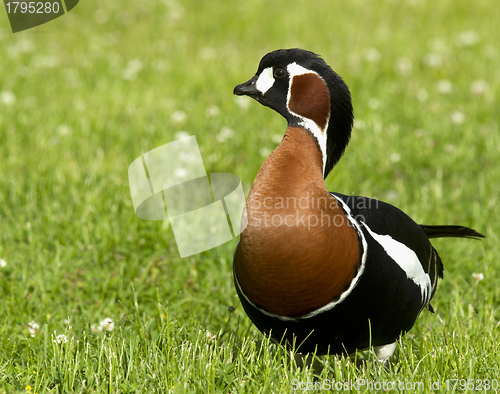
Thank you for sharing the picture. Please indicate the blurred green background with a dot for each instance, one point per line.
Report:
(82, 96)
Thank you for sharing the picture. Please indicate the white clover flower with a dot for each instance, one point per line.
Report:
(450, 148)
(60, 339)
(438, 45)
(180, 173)
(242, 101)
(161, 65)
(176, 16)
(3, 263)
(46, 61)
(359, 124)
(372, 55)
(33, 328)
(181, 134)
(22, 46)
(101, 16)
(63, 129)
(457, 117)
(208, 53)
(392, 195)
(433, 59)
(178, 117)
(276, 138)
(479, 87)
(210, 336)
(374, 103)
(467, 38)
(264, 152)
(106, 325)
(212, 111)
(7, 98)
(395, 157)
(133, 67)
(478, 276)
(403, 66)
(422, 95)
(186, 157)
(444, 86)
(213, 157)
(225, 134)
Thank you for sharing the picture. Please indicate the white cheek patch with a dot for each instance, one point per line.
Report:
(265, 80)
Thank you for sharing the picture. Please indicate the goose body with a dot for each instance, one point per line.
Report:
(319, 271)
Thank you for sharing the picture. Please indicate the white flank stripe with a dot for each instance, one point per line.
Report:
(407, 260)
(265, 80)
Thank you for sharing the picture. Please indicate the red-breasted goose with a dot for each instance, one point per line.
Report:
(324, 271)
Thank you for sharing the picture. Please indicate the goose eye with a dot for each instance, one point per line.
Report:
(279, 73)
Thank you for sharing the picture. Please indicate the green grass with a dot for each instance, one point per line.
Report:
(83, 96)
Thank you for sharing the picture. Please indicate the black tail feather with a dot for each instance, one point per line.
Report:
(450, 231)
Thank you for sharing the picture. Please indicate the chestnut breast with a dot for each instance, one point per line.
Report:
(298, 251)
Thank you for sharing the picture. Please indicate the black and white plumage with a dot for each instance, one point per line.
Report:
(363, 275)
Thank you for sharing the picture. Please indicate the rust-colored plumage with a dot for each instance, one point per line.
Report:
(298, 251)
(309, 98)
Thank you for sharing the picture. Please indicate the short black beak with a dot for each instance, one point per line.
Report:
(248, 88)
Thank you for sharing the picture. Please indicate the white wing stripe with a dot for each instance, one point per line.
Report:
(407, 260)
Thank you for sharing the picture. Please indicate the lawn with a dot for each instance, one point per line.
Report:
(94, 299)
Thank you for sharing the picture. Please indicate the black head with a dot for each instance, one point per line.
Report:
(300, 86)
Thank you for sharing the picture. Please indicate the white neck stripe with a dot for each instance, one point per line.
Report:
(294, 70)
